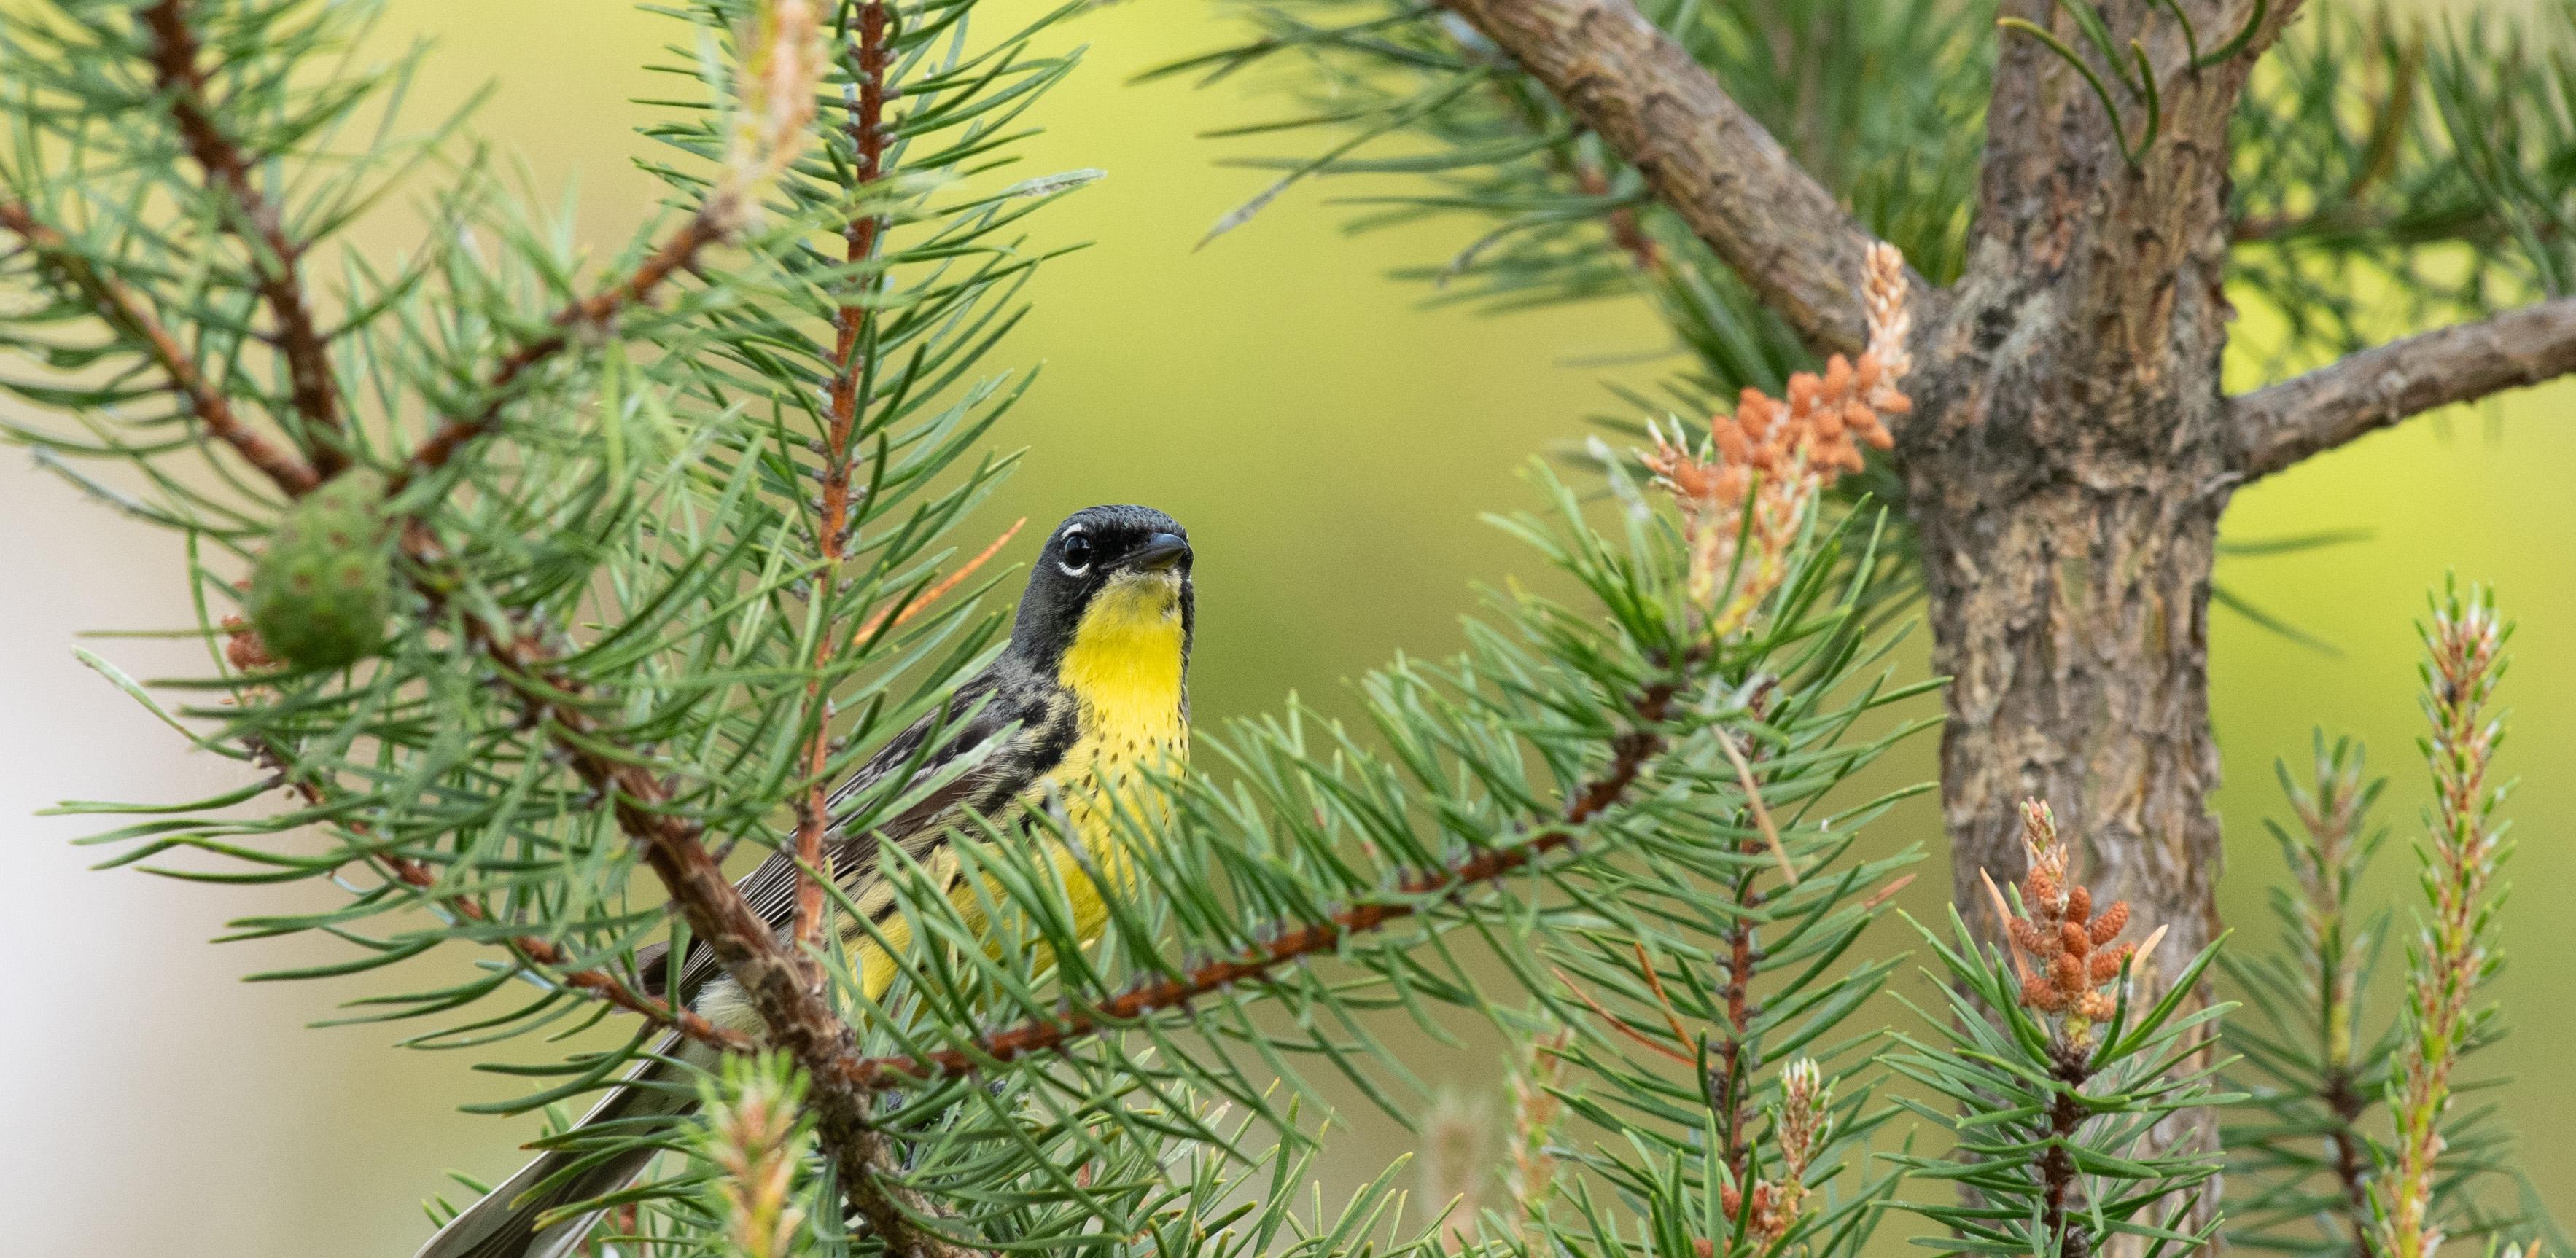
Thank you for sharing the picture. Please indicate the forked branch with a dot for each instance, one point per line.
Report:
(276, 257)
(2279, 426)
(1702, 155)
(126, 312)
(799, 1018)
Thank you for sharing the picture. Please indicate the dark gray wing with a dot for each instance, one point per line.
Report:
(1033, 724)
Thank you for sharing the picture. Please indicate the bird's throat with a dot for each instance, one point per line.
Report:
(1126, 660)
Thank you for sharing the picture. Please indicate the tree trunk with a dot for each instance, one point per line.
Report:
(2073, 620)
(2066, 472)
(2066, 468)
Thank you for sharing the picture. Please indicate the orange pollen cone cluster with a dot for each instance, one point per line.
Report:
(1779, 453)
(2061, 947)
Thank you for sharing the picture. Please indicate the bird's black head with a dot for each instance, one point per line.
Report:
(1137, 556)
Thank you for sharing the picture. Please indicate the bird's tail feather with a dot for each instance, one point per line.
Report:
(506, 1222)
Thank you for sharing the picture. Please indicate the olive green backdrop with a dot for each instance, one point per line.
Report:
(1328, 441)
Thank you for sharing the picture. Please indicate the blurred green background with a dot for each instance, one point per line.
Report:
(1329, 442)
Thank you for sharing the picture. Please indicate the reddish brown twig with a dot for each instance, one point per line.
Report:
(530, 949)
(1629, 754)
(275, 256)
(1732, 1053)
(119, 307)
(598, 310)
(799, 1019)
(813, 812)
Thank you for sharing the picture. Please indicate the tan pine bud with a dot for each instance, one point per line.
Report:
(2067, 972)
(2072, 939)
(2113, 920)
(2106, 965)
(2032, 939)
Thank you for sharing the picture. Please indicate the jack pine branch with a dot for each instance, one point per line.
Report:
(276, 257)
(123, 310)
(799, 1017)
(2330, 817)
(643, 744)
(1289, 941)
(2055, 1073)
(2319, 1076)
(543, 953)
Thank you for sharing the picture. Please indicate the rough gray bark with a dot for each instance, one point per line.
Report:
(2066, 468)
(2070, 451)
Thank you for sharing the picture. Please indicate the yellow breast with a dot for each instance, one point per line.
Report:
(1124, 669)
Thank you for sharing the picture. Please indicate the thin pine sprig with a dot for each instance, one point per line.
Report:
(2313, 1153)
(2301, 1161)
(2456, 950)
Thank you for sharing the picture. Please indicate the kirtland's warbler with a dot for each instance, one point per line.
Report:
(1088, 700)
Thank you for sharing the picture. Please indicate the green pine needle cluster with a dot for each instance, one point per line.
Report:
(670, 550)
(2052, 1156)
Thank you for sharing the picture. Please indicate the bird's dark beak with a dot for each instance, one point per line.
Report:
(1160, 552)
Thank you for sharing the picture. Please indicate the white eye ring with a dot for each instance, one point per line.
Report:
(1069, 569)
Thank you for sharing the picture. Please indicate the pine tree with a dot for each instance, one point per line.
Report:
(2085, 190)
(535, 592)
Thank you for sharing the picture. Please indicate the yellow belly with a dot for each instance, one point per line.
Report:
(1090, 796)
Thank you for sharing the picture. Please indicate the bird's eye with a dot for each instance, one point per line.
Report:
(1076, 554)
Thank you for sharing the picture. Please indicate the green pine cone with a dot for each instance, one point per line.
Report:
(320, 594)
